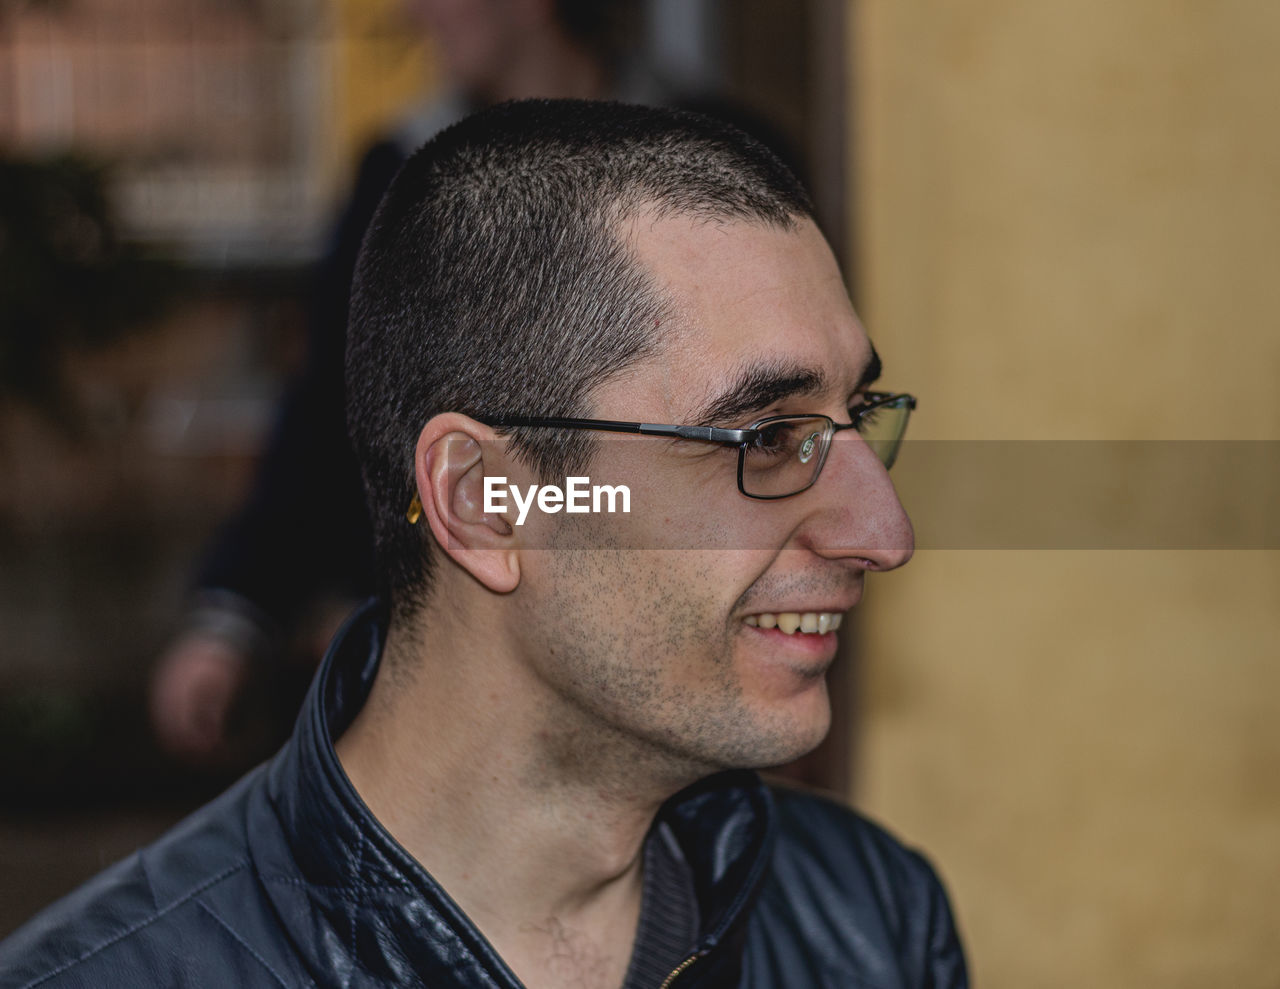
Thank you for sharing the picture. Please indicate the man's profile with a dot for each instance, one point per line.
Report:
(531, 762)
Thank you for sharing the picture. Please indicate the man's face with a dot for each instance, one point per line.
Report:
(642, 624)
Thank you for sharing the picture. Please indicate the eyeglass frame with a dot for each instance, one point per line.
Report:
(741, 438)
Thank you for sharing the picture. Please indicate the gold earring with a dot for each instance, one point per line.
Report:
(415, 510)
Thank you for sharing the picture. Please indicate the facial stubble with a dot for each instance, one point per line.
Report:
(641, 659)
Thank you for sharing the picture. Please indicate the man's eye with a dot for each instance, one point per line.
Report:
(864, 417)
(775, 440)
(868, 420)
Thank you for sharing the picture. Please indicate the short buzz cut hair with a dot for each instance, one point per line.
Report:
(495, 280)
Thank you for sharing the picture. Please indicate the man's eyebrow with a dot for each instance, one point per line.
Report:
(757, 387)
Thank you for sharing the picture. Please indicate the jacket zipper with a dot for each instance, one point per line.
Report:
(679, 970)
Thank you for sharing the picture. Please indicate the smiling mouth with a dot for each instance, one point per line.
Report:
(791, 622)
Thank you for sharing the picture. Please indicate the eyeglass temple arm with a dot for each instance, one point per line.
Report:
(707, 434)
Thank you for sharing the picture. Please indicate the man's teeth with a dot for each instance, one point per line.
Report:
(790, 622)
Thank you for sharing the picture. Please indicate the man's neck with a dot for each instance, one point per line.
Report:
(507, 802)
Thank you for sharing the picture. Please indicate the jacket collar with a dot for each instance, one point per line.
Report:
(357, 905)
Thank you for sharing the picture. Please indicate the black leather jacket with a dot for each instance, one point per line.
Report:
(288, 880)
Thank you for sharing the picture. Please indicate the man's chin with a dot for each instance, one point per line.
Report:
(787, 735)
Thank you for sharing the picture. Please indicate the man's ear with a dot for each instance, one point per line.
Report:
(449, 468)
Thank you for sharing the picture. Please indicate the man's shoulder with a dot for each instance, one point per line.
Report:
(858, 902)
(818, 833)
(153, 918)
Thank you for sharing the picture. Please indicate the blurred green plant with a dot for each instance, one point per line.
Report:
(46, 727)
(68, 279)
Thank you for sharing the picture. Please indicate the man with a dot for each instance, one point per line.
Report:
(531, 765)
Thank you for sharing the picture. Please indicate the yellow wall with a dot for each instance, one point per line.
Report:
(1069, 220)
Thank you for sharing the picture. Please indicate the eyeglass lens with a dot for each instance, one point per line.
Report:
(789, 453)
(883, 427)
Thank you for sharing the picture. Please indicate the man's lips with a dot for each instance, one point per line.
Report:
(806, 638)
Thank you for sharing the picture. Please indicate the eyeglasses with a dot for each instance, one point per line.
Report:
(779, 456)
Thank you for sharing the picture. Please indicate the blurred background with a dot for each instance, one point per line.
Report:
(1059, 222)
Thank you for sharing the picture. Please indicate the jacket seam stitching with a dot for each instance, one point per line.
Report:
(355, 914)
(134, 928)
(356, 887)
(242, 942)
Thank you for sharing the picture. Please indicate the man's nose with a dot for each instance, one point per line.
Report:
(858, 513)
